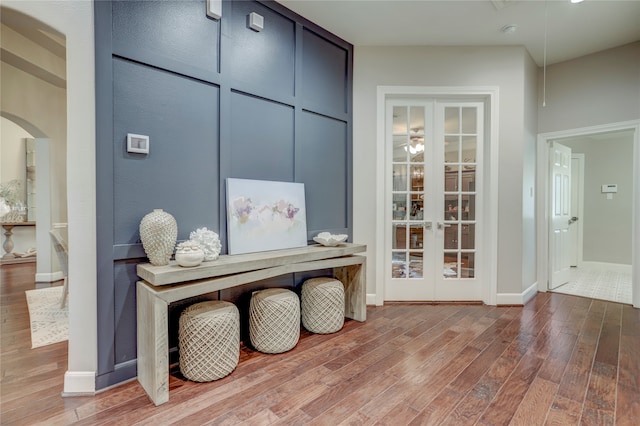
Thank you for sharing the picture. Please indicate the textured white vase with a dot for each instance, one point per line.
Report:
(158, 233)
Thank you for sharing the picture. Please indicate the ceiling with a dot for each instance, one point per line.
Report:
(573, 30)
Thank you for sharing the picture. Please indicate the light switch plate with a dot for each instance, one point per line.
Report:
(137, 144)
(256, 21)
(214, 9)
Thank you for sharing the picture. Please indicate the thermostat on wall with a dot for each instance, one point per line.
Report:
(138, 144)
(610, 187)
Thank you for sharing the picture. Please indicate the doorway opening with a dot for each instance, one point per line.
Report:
(602, 250)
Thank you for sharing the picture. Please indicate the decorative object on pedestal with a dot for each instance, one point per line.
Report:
(12, 207)
(158, 233)
(209, 241)
(189, 253)
(330, 240)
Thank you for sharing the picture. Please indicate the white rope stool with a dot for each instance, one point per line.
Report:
(209, 340)
(322, 305)
(274, 320)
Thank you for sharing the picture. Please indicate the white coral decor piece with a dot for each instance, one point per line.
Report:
(209, 241)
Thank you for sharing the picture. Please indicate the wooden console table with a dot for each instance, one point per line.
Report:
(162, 285)
(9, 256)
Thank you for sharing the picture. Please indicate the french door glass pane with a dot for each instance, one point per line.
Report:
(469, 179)
(467, 270)
(452, 149)
(415, 265)
(469, 144)
(469, 124)
(468, 207)
(450, 261)
(451, 120)
(399, 148)
(417, 120)
(417, 207)
(450, 178)
(399, 177)
(399, 264)
(416, 237)
(400, 119)
(468, 236)
(451, 207)
(451, 237)
(399, 236)
(399, 207)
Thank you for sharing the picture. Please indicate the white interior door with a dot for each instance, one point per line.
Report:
(577, 199)
(433, 188)
(560, 243)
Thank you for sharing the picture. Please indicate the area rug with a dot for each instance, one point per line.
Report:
(49, 322)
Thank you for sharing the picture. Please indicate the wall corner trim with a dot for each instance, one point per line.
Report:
(372, 300)
(518, 298)
(79, 383)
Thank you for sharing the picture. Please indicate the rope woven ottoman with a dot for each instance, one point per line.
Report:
(322, 305)
(209, 340)
(274, 320)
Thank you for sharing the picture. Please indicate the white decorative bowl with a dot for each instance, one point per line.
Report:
(330, 240)
(189, 258)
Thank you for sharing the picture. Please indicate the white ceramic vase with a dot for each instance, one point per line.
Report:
(158, 233)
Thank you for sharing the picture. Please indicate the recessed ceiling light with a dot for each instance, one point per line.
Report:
(576, 1)
(509, 29)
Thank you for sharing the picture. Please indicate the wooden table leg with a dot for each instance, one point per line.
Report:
(355, 290)
(153, 344)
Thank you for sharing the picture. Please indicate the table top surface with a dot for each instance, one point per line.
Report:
(230, 264)
(26, 223)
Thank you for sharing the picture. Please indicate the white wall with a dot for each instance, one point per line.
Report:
(529, 243)
(445, 66)
(13, 166)
(607, 223)
(596, 89)
(74, 19)
(43, 106)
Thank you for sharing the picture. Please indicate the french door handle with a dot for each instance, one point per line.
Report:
(428, 225)
(442, 225)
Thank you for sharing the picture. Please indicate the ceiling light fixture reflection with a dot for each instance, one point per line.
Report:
(415, 149)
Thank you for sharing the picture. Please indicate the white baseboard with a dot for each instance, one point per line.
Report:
(517, 298)
(371, 299)
(43, 277)
(79, 383)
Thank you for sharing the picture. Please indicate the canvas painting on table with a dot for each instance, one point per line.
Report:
(265, 215)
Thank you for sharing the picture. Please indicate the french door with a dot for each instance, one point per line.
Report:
(434, 200)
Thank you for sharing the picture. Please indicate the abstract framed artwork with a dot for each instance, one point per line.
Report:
(265, 215)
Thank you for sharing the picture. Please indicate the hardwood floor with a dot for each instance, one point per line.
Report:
(559, 360)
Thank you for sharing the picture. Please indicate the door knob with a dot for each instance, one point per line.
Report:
(573, 219)
(428, 225)
(442, 225)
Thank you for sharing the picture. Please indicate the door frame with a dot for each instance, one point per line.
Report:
(489, 95)
(542, 200)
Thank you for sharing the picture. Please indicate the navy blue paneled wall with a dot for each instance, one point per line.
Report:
(217, 100)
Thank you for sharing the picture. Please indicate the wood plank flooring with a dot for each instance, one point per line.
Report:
(559, 360)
